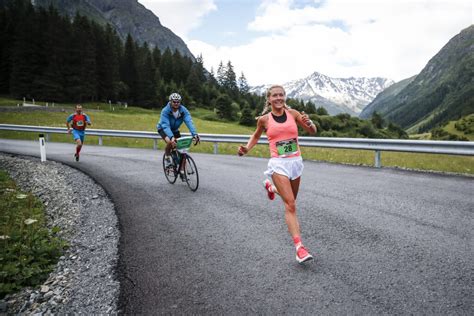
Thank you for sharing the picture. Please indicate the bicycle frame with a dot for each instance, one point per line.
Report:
(179, 159)
(184, 166)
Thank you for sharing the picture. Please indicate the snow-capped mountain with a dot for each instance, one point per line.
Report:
(337, 95)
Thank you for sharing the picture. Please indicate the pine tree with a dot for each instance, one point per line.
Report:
(22, 51)
(224, 107)
(107, 64)
(377, 120)
(247, 117)
(211, 79)
(128, 69)
(321, 111)
(146, 86)
(49, 82)
(6, 39)
(157, 61)
(243, 85)
(220, 76)
(310, 108)
(230, 81)
(166, 66)
(193, 84)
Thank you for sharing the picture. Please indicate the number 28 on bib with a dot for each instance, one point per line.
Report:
(287, 147)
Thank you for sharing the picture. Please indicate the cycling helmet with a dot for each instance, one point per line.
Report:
(175, 97)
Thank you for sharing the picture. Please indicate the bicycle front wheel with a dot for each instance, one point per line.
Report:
(170, 172)
(191, 174)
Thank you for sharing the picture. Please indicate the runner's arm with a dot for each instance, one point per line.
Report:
(88, 119)
(69, 119)
(254, 138)
(304, 121)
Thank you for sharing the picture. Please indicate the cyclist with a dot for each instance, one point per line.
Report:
(172, 116)
(78, 121)
(285, 167)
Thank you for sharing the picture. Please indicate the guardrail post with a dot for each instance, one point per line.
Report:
(155, 144)
(215, 148)
(100, 140)
(378, 162)
(47, 137)
(42, 147)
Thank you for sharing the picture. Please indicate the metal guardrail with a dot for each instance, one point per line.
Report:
(377, 145)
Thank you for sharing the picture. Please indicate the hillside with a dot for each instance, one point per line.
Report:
(379, 104)
(127, 17)
(442, 91)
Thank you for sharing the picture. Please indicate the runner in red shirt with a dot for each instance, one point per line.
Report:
(78, 121)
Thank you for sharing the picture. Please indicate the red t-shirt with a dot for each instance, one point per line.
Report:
(79, 122)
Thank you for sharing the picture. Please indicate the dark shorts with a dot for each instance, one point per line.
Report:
(176, 134)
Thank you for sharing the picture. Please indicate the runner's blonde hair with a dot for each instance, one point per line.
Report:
(268, 106)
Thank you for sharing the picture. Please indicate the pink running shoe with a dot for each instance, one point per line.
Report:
(268, 188)
(302, 255)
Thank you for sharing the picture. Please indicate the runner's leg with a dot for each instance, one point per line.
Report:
(295, 186)
(284, 187)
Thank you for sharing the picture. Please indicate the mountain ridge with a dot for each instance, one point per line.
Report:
(127, 17)
(442, 91)
(337, 95)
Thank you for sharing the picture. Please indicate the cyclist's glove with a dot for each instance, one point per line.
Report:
(197, 139)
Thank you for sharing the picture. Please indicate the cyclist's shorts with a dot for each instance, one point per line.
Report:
(77, 134)
(176, 134)
(291, 167)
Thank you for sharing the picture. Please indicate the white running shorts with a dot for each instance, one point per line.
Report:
(289, 167)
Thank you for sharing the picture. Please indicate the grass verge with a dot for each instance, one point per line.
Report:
(28, 249)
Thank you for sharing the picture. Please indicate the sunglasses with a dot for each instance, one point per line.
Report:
(175, 102)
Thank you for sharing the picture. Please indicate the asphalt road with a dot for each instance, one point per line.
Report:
(385, 241)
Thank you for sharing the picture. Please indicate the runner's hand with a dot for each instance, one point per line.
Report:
(305, 118)
(242, 150)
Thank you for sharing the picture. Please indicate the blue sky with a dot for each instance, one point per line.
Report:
(276, 41)
(226, 25)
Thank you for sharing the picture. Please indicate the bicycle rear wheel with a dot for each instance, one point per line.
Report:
(191, 174)
(170, 173)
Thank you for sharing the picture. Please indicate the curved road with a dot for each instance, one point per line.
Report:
(385, 241)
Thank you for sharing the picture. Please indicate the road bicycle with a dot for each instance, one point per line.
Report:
(182, 164)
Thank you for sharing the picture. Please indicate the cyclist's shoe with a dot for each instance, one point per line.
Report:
(182, 175)
(302, 255)
(76, 156)
(268, 187)
(168, 162)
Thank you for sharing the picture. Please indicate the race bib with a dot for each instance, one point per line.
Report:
(287, 147)
(80, 123)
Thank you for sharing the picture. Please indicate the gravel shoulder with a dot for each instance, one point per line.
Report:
(84, 280)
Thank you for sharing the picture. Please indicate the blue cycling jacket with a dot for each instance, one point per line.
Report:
(169, 124)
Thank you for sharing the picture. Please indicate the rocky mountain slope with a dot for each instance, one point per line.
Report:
(379, 103)
(337, 95)
(127, 17)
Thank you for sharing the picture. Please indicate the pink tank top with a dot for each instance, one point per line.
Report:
(283, 137)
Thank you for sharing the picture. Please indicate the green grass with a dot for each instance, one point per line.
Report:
(450, 128)
(28, 249)
(140, 119)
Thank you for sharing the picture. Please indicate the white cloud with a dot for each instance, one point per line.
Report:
(181, 16)
(340, 38)
(392, 39)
